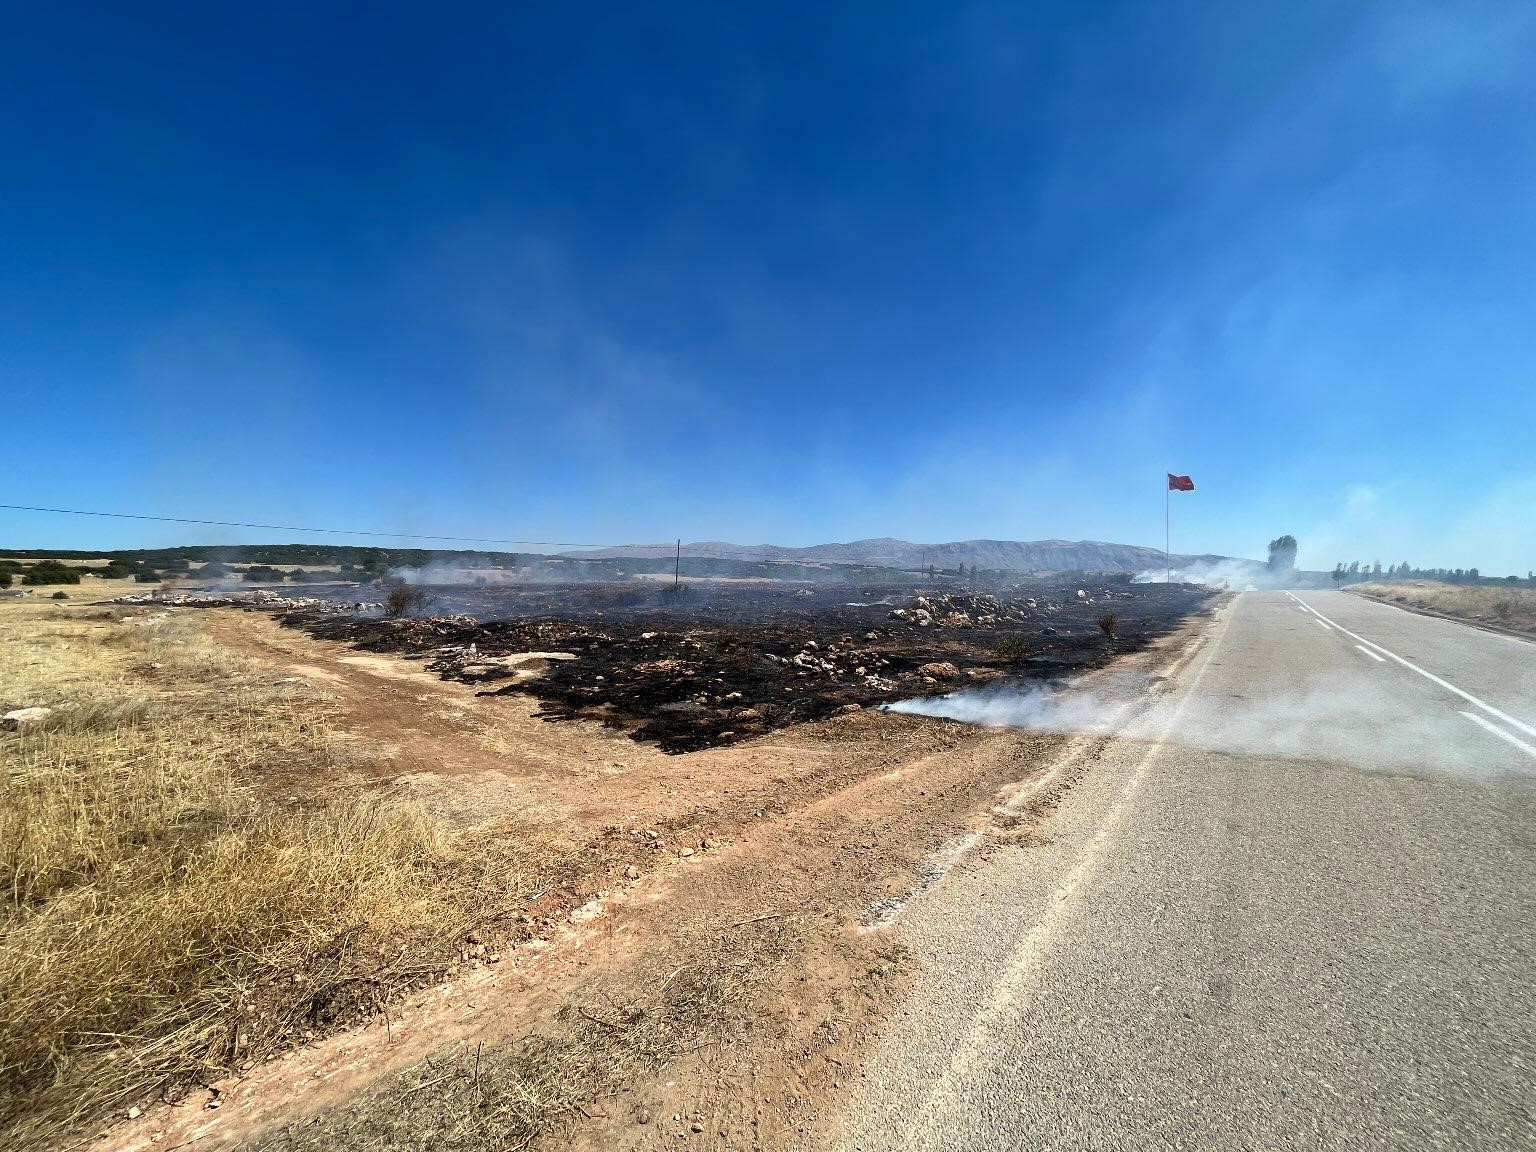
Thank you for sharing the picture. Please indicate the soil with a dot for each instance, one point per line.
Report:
(786, 853)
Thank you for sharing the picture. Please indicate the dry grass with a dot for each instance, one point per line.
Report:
(1507, 607)
(166, 918)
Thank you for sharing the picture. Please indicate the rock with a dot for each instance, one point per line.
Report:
(1081, 594)
(647, 636)
(643, 1116)
(631, 872)
(695, 1127)
(940, 670)
(685, 851)
(11, 721)
(133, 1113)
(847, 708)
(923, 617)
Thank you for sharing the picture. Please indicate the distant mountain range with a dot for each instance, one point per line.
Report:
(885, 552)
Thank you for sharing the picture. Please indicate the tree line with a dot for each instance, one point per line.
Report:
(1356, 571)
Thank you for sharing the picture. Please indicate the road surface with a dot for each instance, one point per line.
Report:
(1295, 907)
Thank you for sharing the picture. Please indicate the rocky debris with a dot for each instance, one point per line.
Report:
(258, 598)
(940, 670)
(21, 717)
(961, 611)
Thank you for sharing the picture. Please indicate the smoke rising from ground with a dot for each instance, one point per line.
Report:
(1230, 575)
(1328, 717)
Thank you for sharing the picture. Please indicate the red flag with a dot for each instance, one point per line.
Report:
(1180, 483)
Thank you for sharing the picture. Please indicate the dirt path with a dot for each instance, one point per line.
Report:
(782, 861)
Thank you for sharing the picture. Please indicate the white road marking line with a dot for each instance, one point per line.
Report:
(1012, 986)
(1430, 676)
(1371, 654)
(1501, 734)
(1323, 625)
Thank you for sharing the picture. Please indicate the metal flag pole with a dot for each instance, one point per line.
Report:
(1167, 531)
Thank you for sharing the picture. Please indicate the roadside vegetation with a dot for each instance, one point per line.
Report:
(193, 878)
(1499, 604)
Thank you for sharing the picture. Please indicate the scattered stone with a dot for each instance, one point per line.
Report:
(940, 670)
(685, 851)
(12, 721)
(631, 872)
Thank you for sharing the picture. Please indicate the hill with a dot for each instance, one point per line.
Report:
(886, 552)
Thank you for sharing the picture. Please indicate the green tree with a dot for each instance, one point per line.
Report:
(51, 572)
(1282, 554)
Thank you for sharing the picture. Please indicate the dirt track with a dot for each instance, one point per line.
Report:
(797, 843)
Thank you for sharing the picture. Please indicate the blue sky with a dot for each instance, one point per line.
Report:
(776, 273)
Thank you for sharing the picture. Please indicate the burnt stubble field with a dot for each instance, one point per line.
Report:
(712, 662)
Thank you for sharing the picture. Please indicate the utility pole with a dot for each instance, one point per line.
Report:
(677, 565)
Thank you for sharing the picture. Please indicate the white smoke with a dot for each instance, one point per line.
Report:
(1226, 575)
(1329, 717)
(451, 572)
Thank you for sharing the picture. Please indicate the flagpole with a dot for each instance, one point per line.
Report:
(1167, 532)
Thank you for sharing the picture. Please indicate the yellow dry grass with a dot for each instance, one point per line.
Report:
(166, 917)
(1503, 605)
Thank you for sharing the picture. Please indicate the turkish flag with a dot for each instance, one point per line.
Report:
(1180, 483)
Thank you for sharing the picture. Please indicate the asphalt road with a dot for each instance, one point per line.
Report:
(1293, 906)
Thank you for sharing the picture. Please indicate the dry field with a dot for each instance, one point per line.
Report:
(267, 890)
(1502, 607)
(167, 917)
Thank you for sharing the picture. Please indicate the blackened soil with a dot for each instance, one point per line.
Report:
(722, 662)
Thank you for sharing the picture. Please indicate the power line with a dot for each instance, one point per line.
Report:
(290, 528)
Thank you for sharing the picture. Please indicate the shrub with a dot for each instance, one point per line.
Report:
(405, 600)
(61, 595)
(147, 576)
(1012, 648)
(51, 572)
(213, 570)
(262, 574)
(5, 579)
(1107, 624)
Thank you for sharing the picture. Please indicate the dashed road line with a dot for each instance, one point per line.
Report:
(1496, 713)
(1372, 655)
(1323, 624)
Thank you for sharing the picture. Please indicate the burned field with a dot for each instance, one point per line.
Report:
(712, 663)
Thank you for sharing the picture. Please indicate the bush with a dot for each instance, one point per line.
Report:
(5, 579)
(61, 595)
(51, 572)
(213, 570)
(148, 576)
(262, 574)
(405, 600)
(1107, 624)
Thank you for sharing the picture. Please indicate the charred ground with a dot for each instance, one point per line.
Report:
(712, 663)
